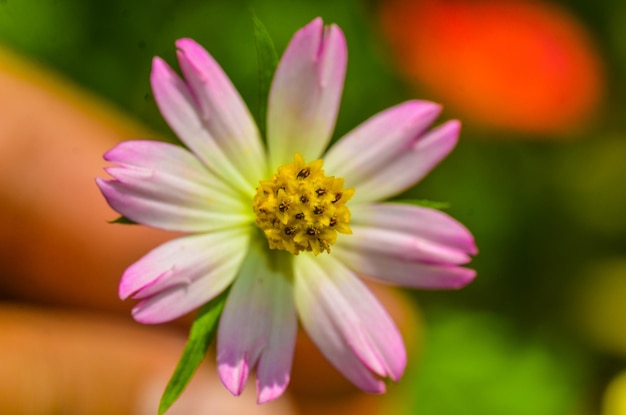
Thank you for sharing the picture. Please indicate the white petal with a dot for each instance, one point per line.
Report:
(412, 233)
(347, 323)
(306, 93)
(184, 273)
(165, 186)
(258, 326)
(222, 110)
(404, 272)
(407, 245)
(406, 169)
(179, 108)
(380, 139)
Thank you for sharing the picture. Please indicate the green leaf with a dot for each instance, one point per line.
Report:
(268, 59)
(124, 221)
(425, 203)
(201, 336)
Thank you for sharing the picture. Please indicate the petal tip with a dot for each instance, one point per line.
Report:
(158, 64)
(472, 248)
(443, 137)
(109, 191)
(378, 388)
(109, 155)
(185, 43)
(426, 107)
(191, 52)
(453, 127)
(313, 25)
(268, 394)
(335, 34)
(141, 316)
(101, 183)
(125, 290)
(421, 113)
(233, 377)
(466, 276)
(398, 370)
(160, 71)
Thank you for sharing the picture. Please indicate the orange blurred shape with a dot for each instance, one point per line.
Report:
(523, 66)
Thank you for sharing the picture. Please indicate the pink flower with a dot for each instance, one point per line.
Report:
(271, 223)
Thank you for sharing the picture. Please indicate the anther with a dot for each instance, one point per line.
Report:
(333, 222)
(289, 230)
(283, 206)
(311, 231)
(338, 197)
(304, 173)
(320, 192)
(304, 199)
(300, 216)
(318, 210)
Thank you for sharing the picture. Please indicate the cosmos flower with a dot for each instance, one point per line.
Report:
(287, 226)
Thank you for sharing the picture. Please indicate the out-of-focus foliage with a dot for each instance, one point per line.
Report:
(476, 363)
(108, 47)
(538, 331)
(614, 402)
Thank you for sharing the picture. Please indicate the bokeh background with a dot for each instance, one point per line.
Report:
(538, 176)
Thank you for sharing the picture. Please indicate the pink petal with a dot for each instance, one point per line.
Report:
(403, 272)
(179, 108)
(183, 274)
(347, 323)
(305, 94)
(258, 326)
(165, 186)
(411, 233)
(402, 246)
(378, 181)
(380, 140)
(222, 110)
(407, 245)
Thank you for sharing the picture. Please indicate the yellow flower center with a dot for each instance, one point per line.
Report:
(300, 209)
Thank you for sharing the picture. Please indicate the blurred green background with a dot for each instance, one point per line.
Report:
(542, 330)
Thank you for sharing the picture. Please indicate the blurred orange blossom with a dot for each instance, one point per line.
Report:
(522, 66)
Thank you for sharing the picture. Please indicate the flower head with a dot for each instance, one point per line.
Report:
(287, 227)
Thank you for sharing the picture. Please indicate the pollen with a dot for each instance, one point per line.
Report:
(301, 209)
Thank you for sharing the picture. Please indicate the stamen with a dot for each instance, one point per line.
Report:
(304, 173)
(313, 224)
